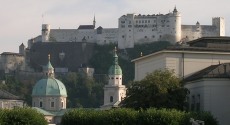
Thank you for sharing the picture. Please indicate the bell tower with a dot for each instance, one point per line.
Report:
(114, 91)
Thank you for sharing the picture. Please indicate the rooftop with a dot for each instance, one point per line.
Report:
(213, 71)
(86, 27)
(186, 49)
(6, 95)
(11, 53)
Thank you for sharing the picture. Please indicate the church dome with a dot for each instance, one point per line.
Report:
(49, 87)
(115, 69)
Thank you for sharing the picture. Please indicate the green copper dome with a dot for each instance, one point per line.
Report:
(115, 69)
(49, 87)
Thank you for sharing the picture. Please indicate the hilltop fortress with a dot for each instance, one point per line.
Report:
(134, 29)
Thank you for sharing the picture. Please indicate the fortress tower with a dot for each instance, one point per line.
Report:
(175, 25)
(45, 32)
(220, 25)
(22, 49)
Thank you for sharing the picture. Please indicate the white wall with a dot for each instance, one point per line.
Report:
(213, 97)
(191, 63)
(10, 104)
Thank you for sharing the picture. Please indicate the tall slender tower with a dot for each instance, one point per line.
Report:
(94, 21)
(114, 91)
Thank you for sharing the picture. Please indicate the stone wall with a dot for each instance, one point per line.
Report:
(69, 55)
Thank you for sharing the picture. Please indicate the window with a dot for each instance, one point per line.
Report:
(52, 104)
(145, 21)
(193, 103)
(40, 104)
(129, 26)
(148, 21)
(123, 36)
(136, 21)
(112, 78)
(153, 36)
(34, 104)
(111, 98)
(145, 36)
(117, 78)
(198, 103)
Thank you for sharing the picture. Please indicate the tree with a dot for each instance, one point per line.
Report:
(21, 116)
(160, 89)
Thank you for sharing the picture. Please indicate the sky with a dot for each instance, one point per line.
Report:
(22, 19)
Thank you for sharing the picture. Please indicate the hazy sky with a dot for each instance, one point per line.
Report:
(22, 19)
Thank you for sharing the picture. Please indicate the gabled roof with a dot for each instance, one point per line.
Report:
(86, 27)
(51, 113)
(213, 71)
(6, 95)
(42, 111)
(185, 49)
(210, 38)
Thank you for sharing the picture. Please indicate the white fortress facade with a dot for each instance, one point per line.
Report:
(135, 29)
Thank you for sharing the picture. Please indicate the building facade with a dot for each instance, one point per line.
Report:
(134, 29)
(183, 60)
(208, 89)
(10, 101)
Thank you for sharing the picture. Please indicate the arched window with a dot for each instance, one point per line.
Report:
(111, 98)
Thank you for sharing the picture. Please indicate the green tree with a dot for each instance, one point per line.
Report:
(21, 116)
(160, 89)
(82, 90)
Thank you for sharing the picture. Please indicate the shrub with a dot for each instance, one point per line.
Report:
(125, 116)
(21, 116)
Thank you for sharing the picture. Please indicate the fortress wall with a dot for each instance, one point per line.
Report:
(75, 54)
(71, 35)
(191, 32)
(109, 35)
(209, 30)
(11, 63)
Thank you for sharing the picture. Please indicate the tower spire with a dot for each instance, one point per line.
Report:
(49, 57)
(48, 69)
(94, 21)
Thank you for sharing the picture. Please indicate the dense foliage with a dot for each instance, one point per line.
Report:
(21, 116)
(103, 58)
(160, 89)
(83, 91)
(132, 117)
